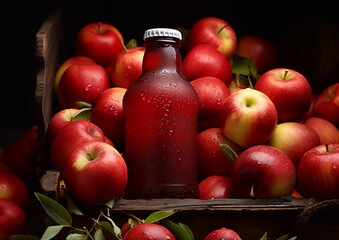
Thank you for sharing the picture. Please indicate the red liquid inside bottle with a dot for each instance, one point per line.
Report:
(161, 110)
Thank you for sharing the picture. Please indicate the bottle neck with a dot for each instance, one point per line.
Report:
(162, 53)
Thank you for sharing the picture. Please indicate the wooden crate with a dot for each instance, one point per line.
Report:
(306, 218)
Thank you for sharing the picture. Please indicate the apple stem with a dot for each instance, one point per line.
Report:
(285, 74)
(326, 146)
(222, 28)
(123, 45)
(90, 155)
(252, 190)
(99, 24)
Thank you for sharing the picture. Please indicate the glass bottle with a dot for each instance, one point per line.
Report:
(161, 110)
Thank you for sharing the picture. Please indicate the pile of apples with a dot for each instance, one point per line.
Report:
(17, 171)
(262, 132)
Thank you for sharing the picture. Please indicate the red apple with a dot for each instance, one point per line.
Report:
(249, 117)
(99, 41)
(82, 83)
(215, 32)
(235, 86)
(327, 104)
(13, 219)
(147, 231)
(14, 188)
(20, 155)
(108, 114)
(328, 133)
(262, 171)
(212, 93)
(289, 91)
(69, 137)
(263, 51)
(95, 172)
(211, 160)
(318, 172)
(222, 233)
(126, 67)
(215, 187)
(58, 121)
(205, 61)
(309, 112)
(67, 63)
(294, 139)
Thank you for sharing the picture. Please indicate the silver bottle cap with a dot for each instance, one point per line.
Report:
(162, 32)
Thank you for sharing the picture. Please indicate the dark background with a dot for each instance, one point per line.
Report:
(307, 36)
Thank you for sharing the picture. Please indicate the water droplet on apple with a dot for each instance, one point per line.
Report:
(259, 163)
(88, 87)
(334, 166)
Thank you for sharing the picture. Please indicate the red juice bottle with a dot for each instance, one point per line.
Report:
(161, 110)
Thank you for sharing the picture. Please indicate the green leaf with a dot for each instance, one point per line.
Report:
(110, 203)
(116, 229)
(82, 114)
(180, 231)
(98, 235)
(82, 104)
(132, 43)
(240, 64)
(159, 215)
(253, 70)
(228, 152)
(55, 210)
(23, 237)
(52, 231)
(107, 226)
(72, 207)
(76, 236)
(264, 237)
(286, 237)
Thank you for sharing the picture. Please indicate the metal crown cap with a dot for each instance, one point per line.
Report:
(162, 32)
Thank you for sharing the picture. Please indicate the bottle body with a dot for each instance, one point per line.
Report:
(161, 129)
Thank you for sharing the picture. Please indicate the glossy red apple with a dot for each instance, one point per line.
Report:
(20, 155)
(294, 139)
(327, 131)
(212, 93)
(99, 41)
(318, 172)
(58, 121)
(69, 137)
(95, 172)
(249, 117)
(211, 160)
(309, 112)
(205, 61)
(126, 67)
(82, 83)
(222, 233)
(263, 51)
(15, 189)
(327, 104)
(262, 171)
(215, 32)
(67, 63)
(108, 114)
(289, 91)
(215, 187)
(13, 219)
(147, 231)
